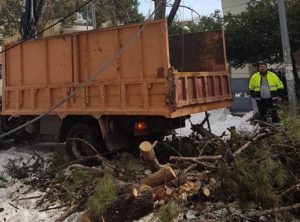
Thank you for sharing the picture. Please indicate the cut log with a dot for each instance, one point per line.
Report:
(130, 206)
(85, 218)
(142, 206)
(191, 187)
(162, 176)
(118, 208)
(148, 155)
(205, 191)
(180, 180)
(162, 192)
(210, 188)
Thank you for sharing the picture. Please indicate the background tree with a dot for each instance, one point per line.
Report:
(108, 12)
(255, 33)
(10, 14)
(205, 23)
(115, 12)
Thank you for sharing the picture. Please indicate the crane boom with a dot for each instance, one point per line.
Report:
(160, 6)
(173, 11)
(31, 12)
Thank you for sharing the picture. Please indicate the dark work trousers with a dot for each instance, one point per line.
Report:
(265, 106)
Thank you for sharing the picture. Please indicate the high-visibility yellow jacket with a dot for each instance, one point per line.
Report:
(274, 83)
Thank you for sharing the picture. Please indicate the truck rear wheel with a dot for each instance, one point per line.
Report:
(82, 140)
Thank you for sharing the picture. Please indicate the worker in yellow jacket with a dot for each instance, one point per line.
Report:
(265, 87)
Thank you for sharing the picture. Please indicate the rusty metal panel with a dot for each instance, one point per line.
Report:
(201, 88)
(41, 72)
(198, 52)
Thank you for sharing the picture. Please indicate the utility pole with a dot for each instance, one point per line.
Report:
(94, 14)
(160, 6)
(87, 17)
(289, 75)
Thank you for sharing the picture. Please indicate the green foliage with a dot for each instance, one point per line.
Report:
(105, 192)
(117, 12)
(62, 8)
(292, 124)
(205, 23)
(58, 159)
(255, 177)
(107, 13)
(254, 34)
(131, 166)
(3, 182)
(17, 168)
(78, 180)
(169, 212)
(284, 217)
(185, 146)
(10, 13)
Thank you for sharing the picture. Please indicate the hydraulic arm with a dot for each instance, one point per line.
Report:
(31, 12)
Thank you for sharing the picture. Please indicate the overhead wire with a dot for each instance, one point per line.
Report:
(89, 81)
(191, 9)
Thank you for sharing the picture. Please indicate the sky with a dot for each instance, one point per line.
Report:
(203, 7)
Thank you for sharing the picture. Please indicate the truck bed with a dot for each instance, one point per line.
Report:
(157, 75)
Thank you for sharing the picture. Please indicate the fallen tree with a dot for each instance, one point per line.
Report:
(253, 169)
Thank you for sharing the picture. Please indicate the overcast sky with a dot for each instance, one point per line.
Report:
(203, 7)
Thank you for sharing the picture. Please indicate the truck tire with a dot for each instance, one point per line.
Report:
(77, 148)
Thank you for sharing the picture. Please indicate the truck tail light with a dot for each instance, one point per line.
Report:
(140, 126)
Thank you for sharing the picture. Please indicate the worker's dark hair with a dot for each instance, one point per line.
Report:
(261, 63)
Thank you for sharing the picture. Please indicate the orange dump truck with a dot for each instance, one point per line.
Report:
(145, 93)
